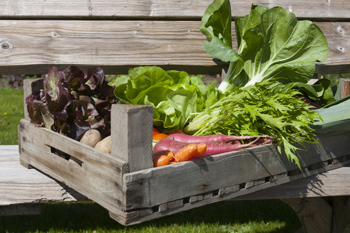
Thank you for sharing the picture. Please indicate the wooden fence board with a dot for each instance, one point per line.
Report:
(29, 46)
(313, 9)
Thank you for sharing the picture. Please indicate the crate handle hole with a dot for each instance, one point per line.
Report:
(66, 156)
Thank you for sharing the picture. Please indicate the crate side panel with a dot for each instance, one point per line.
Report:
(132, 135)
(95, 178)
(160, 185)
(246, 168)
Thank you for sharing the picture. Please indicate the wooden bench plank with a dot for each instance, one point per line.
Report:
(332, 10)
(326, 184)
(19, 185)
(29, 46)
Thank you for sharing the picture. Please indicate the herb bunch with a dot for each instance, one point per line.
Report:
(266, 108)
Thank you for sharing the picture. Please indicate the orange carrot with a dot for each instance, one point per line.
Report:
(170, 155)
(186, 152)
(159, 136)
(155, 131)
(201, 148)
(161, 161)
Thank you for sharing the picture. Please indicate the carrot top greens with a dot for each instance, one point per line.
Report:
(266, 108)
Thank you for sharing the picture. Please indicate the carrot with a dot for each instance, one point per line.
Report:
(201, 148)
(155, 131)
(212, 148)
(157, 155)
(161, 158)
(211, 138)
(186, 152)
(161, 161)
(159, 136)
(170, 155)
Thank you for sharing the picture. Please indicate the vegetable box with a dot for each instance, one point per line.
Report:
(133, 191)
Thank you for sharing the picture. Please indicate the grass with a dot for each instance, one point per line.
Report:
(11, 111)
(224, 217)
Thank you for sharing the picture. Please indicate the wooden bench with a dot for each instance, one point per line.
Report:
(118, 35)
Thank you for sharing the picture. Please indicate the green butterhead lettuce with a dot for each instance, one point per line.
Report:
(174, 95)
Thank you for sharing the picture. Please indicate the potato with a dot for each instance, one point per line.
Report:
(104, 145)
(91, 137)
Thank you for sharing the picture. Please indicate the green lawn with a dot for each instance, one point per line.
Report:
(226, 217)
(11, 111)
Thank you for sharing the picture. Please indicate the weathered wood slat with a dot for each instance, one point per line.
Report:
(327, 184)
(251, 168)
(20, 186)
(335, 9)
(29, 46)
(99, 177)
(127, 123)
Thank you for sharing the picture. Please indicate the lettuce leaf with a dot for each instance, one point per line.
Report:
(272, 44)
(174, 95)
(73, 101)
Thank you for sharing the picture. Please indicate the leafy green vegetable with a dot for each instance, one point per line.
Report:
(72, 102)
(174, 95)
(266, 108)
(272, 44)
(335, 116)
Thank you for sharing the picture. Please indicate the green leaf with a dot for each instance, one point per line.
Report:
(272, 44)
(218, 49)
(216, 21)
(266, 108)
(174, 95)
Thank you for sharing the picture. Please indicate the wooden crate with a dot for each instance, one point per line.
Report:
(126, 184)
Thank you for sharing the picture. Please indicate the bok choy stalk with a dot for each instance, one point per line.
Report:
(266, 108)
(335, 116)
(272, 43)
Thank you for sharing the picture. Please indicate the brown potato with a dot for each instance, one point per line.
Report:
(104, 145)
(91, 137)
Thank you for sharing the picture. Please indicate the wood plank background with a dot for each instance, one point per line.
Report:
(187, 9)
(29, 46)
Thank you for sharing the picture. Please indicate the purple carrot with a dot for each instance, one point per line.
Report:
(211, 138)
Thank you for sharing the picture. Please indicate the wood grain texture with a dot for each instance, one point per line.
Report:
(19, 185)
(254, 168)
(327, 184)
(132, 135)
(99, 176)
(315, 214)
(335, 9)
(29, 46)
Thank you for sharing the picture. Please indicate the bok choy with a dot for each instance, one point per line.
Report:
(272, 43)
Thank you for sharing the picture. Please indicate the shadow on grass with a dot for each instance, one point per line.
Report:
(229, 216)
